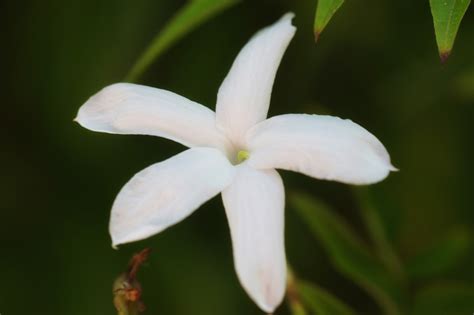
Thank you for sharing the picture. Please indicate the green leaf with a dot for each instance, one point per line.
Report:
(192, 15)
(447, 16)
(348, 253)
(324, 12)
(440, 256)
(444, 299)
(320, 301)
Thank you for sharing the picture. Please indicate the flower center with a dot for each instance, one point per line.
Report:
(242, 155)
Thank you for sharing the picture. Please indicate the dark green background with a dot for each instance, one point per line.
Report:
(376, 63)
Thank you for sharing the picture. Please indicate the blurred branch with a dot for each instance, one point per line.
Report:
(189, 17)
(127, 290)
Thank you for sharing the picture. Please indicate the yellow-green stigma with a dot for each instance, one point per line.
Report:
(242, 155)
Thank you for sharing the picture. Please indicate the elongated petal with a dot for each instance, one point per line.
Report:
(125, 108)
(254, 205)
(167, 192)
(244, 96)
(323, 147)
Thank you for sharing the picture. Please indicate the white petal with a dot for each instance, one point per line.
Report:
(125, 108)
(323, 147)
(244, 96)
(254, 205)
(167, 192)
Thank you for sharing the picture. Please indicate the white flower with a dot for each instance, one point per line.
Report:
(234, 151)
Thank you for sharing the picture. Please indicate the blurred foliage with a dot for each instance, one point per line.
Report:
(444, 298)
(377, 232)
(442, 255)
(374, 66)
(293, 295)
(345, 251)
(188, 17)
(348, 253)
(321, 302)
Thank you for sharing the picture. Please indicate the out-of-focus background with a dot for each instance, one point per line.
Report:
(376, 63)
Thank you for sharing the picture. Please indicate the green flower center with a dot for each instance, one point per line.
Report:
(242, 155)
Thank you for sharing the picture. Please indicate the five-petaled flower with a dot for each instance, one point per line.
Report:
(234, 151)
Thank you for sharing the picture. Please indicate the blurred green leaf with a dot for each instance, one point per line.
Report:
(292, 294)
(320, 301)
(377, 233)
(463, 85)
(192, 15)
(297, 308)
(444, 299)
(348, 253)
(440, 256)
(447, 16)
(324, 12)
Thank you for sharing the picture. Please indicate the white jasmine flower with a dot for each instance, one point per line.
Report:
(234, 151)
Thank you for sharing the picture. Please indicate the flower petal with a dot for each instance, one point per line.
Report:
(323, 147)
(125, 108)
(167, 192)
(254, 205)
(244, 96)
